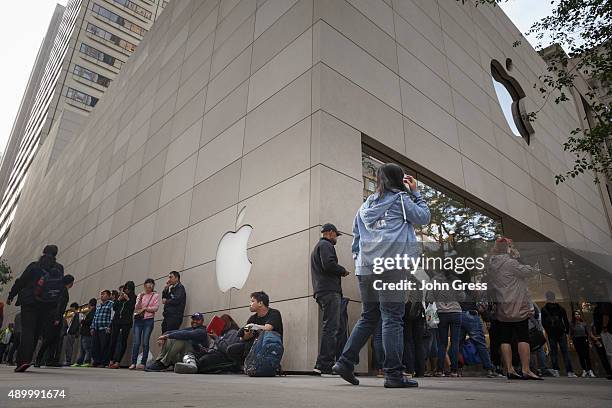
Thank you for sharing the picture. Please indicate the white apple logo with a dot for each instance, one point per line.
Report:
(232, 262)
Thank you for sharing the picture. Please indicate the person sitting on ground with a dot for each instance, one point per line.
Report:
(214, 359)
(264, 319)
(176, 343)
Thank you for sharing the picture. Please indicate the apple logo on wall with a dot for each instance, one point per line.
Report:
(232, 262)
(510, 96)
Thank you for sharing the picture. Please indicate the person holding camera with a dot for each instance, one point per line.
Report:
(384, 229)
(122, 323)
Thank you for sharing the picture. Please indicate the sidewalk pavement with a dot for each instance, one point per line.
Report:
(97, 387)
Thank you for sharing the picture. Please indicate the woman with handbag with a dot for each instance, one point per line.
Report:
(147, 304)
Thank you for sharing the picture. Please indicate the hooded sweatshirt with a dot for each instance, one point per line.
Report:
(509, 280)
(380, 229)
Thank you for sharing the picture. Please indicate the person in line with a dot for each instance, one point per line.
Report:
(414, 330)
(36, 301)
(147, 304)
(579, 331)
(538, 357)
(601, 322)
(514, 307)
(122, 323)
(174, 299)
(556, 324)
(6, 336)
(16, 339)
(72, 327)
(214, 358)
(471, 325)
(264, 318)
(175, 344)
(326, 276)
(449, 312)
(383, 228)
(100, 330)
(84, 358)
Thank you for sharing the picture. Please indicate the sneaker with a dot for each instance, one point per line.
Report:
(76, 365)
(140, 367)
(439, 374)
(547, 372)
(402, 382)
(454, 373)
(380, 373)
(555, 373)
(86, 365)
(316, 371)
(346, 374)
(156, 366)
(591, 374)
(491, 374)
(22, 367)
(114, 366)
(132, 367)
(583, 374)
(185, 368)
(570, 374)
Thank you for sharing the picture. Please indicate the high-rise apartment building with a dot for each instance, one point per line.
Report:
(86, 45)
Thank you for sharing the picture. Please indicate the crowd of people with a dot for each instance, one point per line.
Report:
(413, 333)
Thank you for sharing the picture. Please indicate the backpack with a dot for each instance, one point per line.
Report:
(556, 322)
(49, 285)
(264, 358)
(470, 353)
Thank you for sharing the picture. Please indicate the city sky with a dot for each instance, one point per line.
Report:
(29, 20)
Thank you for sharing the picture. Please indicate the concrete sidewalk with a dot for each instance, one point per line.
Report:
(91, 387)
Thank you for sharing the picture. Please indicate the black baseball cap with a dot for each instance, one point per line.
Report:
(330, 227)
(197, 316)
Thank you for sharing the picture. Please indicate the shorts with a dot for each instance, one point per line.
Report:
(510, 332)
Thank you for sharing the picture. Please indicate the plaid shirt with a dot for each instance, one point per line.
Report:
(102, 318)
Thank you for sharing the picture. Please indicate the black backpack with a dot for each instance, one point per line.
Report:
(49, 285)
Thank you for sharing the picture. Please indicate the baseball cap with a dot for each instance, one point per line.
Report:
(330, 227)
(197, 316)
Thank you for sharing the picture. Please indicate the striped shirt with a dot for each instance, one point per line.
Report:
(103, 317)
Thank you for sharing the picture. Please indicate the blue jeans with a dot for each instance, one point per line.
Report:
(376, 305)
(377, 347)
(142, 334)
(562, 342)
(472, 326)
(448, 321)
(85, 352)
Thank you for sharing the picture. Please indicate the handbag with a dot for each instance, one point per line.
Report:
(140, 315)
(431, 315)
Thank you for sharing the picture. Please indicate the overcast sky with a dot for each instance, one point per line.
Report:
(26, 21)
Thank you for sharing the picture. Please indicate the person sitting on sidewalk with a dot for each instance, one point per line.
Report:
(176, 343)
(265, 318)
(215, 359)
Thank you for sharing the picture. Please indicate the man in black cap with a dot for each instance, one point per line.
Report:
(327, 291)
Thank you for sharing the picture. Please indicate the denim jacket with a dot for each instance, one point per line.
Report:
(382, 229)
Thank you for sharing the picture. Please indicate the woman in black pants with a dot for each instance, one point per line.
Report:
(579, 331)
(122, 323)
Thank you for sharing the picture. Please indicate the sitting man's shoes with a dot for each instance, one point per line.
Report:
(156, 366)
(346, 374)
(185, 368)
(401, 382)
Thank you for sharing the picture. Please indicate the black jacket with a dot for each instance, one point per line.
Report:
(60, 308)
(86, 323)
(124, 310)
(324, 268)
(176, 300)
(554, 319)
(23, 288)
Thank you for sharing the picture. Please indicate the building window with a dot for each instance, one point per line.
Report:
(110, 37)
(91, 76)
(510, 97)
(135, 8)
(97, 54)
(117, 19)
(81, 97)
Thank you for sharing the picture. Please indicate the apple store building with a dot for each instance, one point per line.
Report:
(238, 128)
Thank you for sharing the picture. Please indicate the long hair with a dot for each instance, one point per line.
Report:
(131, 286)
(389, 177)
(229, 323)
